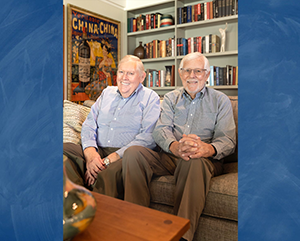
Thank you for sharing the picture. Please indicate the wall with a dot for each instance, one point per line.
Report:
(131, 4)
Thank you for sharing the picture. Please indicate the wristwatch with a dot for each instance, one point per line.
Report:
(106, 162)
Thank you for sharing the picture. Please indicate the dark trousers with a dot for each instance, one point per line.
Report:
(109, 181)
(192, 181)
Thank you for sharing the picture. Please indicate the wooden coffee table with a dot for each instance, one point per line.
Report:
(120, 220)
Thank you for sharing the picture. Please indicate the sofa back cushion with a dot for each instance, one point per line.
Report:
(234, 103)
(74, 116)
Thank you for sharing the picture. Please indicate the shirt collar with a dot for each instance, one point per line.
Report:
(199, 95)
(140, 86)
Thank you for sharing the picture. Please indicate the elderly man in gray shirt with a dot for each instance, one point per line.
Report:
(195, 131)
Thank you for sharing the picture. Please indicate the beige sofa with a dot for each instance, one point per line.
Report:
(219, 220)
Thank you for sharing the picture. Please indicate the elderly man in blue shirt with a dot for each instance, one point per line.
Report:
(123, 116)
(195, 131)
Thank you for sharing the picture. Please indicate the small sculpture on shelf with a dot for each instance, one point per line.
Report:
(223, 38)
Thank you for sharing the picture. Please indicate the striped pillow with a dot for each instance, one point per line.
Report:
(74, 116)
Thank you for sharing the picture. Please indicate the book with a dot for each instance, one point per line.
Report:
(199, 44)
(173, 75)
(134, 25)
(155, 78)
(211, 76)
(163, 48)
(217, 75)
(184, 46)
(206, 44)
(221, 76)
(179, 46)
(157, 20)
(162, 78)
(215, 43)
(189, 14)
(179, 15)
(227, 82)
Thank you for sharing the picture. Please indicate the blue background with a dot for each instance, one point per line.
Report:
(31, 120)
(31, 78)
(269, 120)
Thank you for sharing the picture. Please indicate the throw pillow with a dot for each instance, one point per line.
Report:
(74, 116)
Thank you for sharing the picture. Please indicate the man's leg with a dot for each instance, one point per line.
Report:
(192, 180)
(75, 165)
(139, 164)
(109, 181)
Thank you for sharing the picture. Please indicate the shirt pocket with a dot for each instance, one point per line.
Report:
(132, 118)
(205, 125)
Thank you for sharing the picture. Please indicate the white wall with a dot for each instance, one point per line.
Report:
(131, 4)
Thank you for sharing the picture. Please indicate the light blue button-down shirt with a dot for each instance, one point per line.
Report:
(209, 115)
(120, 122)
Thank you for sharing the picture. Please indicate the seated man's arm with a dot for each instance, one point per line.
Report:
(224, 137)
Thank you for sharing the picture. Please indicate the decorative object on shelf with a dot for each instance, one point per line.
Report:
(168, 75)
(223, 38)
(79, 208)
(139, 51)
(166, 20)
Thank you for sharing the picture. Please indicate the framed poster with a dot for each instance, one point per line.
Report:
(93, 53)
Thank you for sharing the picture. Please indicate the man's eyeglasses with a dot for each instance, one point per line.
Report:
(128, 73)
(197, 72)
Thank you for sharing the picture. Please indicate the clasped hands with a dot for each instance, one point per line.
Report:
(190, 146)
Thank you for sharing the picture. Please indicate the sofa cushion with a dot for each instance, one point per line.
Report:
(221, 200)
(234, 103)
(73, 117)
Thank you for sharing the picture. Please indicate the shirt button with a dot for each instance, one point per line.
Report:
(111, 128)
(118, 108)
(108, 141)
(193, 102)
(191, 114)
(115, 118)
(188, 126)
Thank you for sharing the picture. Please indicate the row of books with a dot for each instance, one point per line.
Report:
(203, 44)
(144, 22)
(159, 48)
(207, 10)
(227, 75)
(166, 48)
(160, 78)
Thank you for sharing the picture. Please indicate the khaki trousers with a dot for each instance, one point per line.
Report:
(109, 181)
(192, 180)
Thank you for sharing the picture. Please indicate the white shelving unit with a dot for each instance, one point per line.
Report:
(186, 30)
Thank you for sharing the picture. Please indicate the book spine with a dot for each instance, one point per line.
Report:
(179, 15)
(199, 44)
(211, 75)
(207, 44)
(189, 14)
(184, 46)
(162, 78)
(217, 76)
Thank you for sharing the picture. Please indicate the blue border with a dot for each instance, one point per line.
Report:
(269, 126)
(31, 80)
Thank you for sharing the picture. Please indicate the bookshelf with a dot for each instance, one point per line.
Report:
(186, 30)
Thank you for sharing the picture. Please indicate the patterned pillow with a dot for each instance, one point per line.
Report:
(74, 116)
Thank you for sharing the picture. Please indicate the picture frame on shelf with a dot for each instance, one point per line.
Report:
(94, 51)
